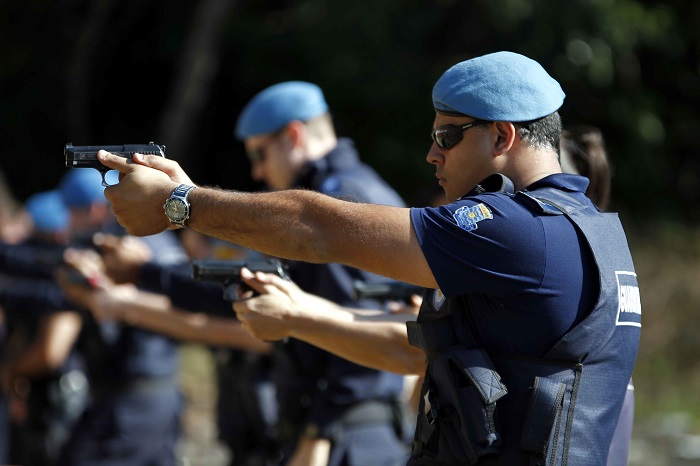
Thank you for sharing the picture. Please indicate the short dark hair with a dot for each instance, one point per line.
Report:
(544, 132)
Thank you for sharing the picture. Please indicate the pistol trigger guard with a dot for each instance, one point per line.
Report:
(103, 173)
(104, 182)
(230, 293)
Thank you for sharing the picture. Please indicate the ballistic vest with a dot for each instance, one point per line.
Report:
(561, 409)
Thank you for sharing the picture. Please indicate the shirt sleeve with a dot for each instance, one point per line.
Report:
(36, 296)
(482, 244)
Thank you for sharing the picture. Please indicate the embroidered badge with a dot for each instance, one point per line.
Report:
(629, 307)
(438, 299)
(468, 217)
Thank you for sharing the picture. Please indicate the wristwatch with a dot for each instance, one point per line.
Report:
(177, 208)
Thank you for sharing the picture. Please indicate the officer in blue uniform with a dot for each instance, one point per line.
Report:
(242, 376)
(58, 397)
(42, 328)
(15, 226)
(531, 327)
(548, 322)
(291, 143)
(134, 416)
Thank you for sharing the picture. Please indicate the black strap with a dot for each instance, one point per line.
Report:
(432, 335)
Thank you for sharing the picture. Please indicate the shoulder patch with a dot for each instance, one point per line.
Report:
(438, 299)
(468, 217)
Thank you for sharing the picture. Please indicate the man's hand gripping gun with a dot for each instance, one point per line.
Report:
(228, 272)
(86, 156)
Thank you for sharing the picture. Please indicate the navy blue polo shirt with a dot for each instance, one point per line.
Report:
(534, 272)
(334, 383)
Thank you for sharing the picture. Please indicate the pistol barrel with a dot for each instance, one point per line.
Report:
(86, 156)
(228, 272)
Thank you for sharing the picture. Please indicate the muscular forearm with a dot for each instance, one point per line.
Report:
(313, 227)
(291, 224)
(155, 313)
(210, 330)
(381, 345)
(283, 310)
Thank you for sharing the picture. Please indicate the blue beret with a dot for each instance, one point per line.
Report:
(274, 107)
(501, 86)
(81, 187)
(48, 211)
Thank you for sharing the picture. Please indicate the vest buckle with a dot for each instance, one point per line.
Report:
(431, 408)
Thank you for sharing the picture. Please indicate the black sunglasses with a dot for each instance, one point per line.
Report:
(258, 154)
(446, 136)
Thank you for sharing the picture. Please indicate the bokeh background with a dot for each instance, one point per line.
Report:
(178, 73)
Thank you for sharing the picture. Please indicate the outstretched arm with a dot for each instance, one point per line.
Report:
(284, 310)
(294, 224)
(153, 311)
(139, 308)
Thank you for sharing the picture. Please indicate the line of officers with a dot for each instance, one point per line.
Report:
(92, 379)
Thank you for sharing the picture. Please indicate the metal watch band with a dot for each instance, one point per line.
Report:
(180, 194)
(182, 190)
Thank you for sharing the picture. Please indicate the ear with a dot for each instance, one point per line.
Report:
(296, 132)
(505, 136)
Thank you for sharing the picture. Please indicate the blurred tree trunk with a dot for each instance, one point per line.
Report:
(79, 68)
(199, 65)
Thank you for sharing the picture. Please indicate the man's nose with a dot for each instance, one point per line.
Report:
(434, 154)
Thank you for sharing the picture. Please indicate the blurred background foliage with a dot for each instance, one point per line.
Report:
(178, 73)
(110, 72)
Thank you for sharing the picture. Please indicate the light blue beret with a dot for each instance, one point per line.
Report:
(48, 212)
(501, 86)
(80, 187)
(274, 107)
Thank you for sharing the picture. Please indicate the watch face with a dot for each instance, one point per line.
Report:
(176, 210)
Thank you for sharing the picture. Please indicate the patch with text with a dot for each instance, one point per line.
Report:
(629, 304)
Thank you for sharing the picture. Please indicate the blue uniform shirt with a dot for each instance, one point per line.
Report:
(532, 300)
(333, 384)
(139, 352)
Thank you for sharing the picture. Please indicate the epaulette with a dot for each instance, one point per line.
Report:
(544, 206)
(496, 183)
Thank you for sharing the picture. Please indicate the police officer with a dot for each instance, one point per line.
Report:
(324, 401)
(168, 301)
(531, 326)
(134, 415)
(42, 368)
(15, 226)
